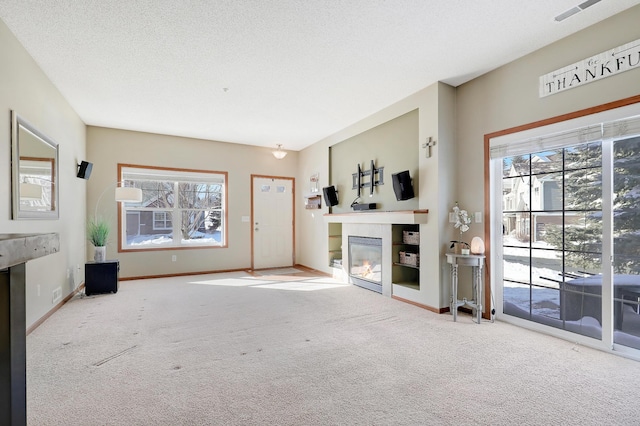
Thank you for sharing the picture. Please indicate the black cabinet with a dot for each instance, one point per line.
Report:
(101, 277)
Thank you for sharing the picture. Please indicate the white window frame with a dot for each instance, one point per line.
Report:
(164, 220)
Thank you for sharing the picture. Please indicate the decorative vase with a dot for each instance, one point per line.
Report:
(100, 254)
(464, 251)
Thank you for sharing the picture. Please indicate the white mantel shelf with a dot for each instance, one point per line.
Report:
(411, 217)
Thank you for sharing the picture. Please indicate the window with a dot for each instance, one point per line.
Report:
(161, 221)
(179, 209)
(568, 253)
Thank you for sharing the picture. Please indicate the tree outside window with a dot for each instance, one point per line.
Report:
(179, 208)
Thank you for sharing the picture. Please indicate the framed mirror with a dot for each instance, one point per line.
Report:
(34, 172)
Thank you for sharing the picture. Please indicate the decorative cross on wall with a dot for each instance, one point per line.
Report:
(428, 144)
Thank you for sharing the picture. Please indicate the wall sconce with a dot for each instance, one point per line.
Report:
(279, 153)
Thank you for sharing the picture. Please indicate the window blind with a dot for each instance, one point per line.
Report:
(171, 176)
(623, 128)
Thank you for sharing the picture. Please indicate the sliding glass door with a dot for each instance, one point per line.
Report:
(552, 237)
(568, 254)
(626, 242)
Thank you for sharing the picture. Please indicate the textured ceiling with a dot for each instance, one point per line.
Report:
(263, 72)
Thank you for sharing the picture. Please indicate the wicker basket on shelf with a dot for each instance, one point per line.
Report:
(411, 237)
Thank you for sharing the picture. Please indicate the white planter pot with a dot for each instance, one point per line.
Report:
(464, 251)
(100, 254)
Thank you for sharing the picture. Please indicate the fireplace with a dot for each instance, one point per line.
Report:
(365, 262)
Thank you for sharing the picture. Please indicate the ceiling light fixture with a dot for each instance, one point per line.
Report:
(279, 153)
(575, 9)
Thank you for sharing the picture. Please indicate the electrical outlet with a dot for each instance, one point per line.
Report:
(57, 295)
(452, 217)
(38, 287)
(478, 216)
(174, 258)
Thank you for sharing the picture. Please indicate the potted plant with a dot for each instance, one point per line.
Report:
(98, 232)
(464, 247)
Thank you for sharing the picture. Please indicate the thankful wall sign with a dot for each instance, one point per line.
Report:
(605, 64)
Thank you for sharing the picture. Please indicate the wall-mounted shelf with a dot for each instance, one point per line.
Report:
(312, 202)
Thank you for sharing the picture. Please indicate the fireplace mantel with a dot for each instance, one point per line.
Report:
(15, 251)
(391, 217)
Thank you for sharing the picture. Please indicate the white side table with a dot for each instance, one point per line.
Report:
(476, 262)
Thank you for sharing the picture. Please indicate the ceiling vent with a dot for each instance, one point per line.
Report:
(575, 9)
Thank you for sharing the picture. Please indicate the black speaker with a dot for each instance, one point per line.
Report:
(84, 169)
(402, 185)
(330, 195)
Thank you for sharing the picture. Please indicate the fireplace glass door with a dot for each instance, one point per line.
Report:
(365, 262)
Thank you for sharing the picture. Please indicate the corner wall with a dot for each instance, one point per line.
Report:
(25, 89)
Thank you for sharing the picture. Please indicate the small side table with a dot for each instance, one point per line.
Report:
(101, 277)
(476, 262)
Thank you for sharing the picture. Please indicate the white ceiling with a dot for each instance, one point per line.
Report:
(263, 72)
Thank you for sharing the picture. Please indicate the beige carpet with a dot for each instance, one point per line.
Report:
(234, 349)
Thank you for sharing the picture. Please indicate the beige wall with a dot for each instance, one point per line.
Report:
(508, 96)
(108, 147)
(393, 146)
(26, 90)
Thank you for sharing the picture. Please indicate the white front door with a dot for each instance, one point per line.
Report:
(272, 220)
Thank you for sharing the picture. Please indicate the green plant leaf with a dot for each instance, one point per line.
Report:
(98, 232)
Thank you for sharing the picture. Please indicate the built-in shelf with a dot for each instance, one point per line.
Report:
(335, 245)
(405, 274)
(408, 284)
(404, 265)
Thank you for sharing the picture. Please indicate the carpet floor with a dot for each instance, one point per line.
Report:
(240, 349)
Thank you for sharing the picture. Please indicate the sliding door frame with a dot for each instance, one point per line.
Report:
(489, 227)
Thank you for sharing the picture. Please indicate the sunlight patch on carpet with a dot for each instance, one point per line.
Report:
(231, 282)
(278, 271)
(302, 286)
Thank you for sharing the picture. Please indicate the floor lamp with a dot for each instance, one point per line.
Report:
(122, 194)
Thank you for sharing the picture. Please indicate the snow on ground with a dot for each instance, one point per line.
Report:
(544, 300)
(199, 238)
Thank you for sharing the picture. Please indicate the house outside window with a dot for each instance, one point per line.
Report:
(180, 209)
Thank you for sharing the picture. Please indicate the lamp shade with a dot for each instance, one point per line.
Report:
(279, 153)
(30, 191)
(128, 194)
(477, 245)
